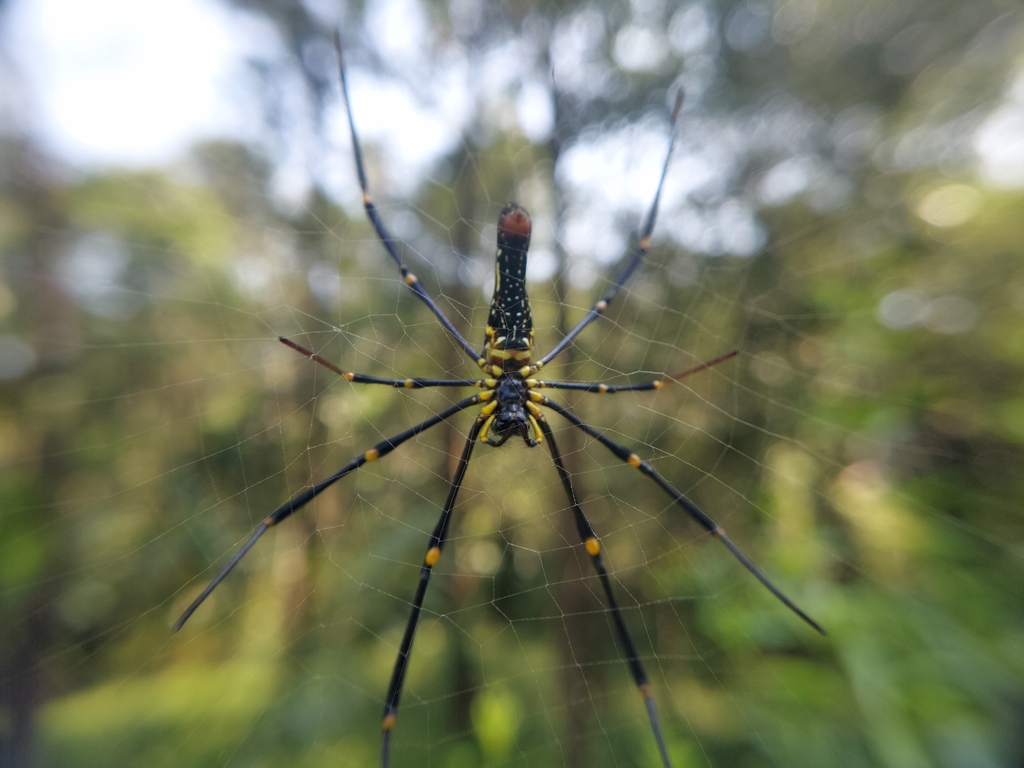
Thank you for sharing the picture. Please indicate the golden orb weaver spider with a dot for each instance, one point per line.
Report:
(511, 405)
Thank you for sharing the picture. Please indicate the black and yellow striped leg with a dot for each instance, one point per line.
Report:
(297, 502)
(362, 378)
(688, 506)
(593, 547)
(386, 237)
(641, 386)
(634, 260)
(437, 541)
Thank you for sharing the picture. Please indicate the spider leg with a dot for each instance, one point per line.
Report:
(362, 378)
(299, 500)
(688, 506)
(642, 386)
(437, 541)
(386, 237)
(637, 255)
(593, 547)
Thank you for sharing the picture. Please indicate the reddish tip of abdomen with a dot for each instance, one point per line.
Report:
(514, 221)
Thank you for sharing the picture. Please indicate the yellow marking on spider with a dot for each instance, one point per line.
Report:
(537, 397)
(389, 721)
(486, 426)
(411, 279)
(538, 435)
(602, 305)
(658, 383)
(433, 555)
(602, 388)
(634, 460)
(483, 397)
(593, 546)
(645, 243)
(496, 370)
(409, 384)
(367, 200)
(270, 522)
(349, 376)
(372, 455)
(488, 409)
(535, 410)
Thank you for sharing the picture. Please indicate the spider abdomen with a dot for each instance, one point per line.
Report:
(510, 324)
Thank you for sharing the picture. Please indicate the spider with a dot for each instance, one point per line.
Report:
(512, 405)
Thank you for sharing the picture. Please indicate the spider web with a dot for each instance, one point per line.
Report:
(162, 421)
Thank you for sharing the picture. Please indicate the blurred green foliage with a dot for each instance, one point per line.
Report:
(865, 447)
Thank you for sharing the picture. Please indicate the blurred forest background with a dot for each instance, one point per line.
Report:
(844, 208)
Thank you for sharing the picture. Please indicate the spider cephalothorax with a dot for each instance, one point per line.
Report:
(512, 405)
(510, 412)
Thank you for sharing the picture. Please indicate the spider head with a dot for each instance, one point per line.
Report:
(511, 416)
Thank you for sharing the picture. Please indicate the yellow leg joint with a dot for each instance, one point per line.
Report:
(486, 427)
(593, 546)
(433, 555)
(634, 460)
(372, 455)
(536, 430)
(389, 721)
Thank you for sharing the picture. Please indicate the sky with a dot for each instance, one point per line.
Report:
(122, 83)
(115, 82)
